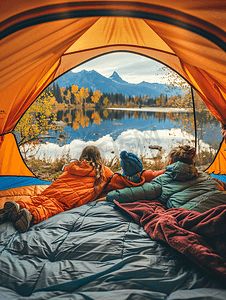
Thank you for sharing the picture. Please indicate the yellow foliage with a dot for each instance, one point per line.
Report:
(84, 121)
(74, 89)
(53, 100)
(62, 90)
(68, 96)
(96, 96)
(80, 119)
(80, 95)
(96, 118)
(75, 125)
(78, 116)
(69, 117)
(105, 101)
(105, 113)
(38, 119)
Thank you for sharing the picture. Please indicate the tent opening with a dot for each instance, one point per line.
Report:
(118, 101)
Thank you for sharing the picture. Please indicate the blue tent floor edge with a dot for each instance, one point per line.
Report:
(9, 182)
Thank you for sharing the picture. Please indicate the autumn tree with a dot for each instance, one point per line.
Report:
(185, 100)
(84, 94)
(96, 96)
(74, 91)
(105, 101)
(62, 92)
(68, 97)
(37, 120)
(80, 95)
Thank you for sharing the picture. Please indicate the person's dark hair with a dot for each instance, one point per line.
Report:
(92, 155)
(184, 153)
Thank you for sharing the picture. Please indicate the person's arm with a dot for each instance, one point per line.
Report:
(147, 191)
(108, 172)
(149, 174)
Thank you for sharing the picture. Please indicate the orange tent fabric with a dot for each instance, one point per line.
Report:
(41, 40)
(218, 166)
(11, 162)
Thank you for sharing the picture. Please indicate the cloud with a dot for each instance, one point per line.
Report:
(132, 68)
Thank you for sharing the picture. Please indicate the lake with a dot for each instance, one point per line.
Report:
(141, 131)
(90, 125)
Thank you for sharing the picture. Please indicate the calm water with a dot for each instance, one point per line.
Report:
(93, 124)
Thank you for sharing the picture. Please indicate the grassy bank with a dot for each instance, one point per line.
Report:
(49, 170)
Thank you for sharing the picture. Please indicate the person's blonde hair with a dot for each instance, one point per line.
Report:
(184, 153)
(92, 155)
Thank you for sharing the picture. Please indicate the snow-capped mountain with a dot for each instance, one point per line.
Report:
(114, 84)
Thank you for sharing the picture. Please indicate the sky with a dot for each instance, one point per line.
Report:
(132, 68)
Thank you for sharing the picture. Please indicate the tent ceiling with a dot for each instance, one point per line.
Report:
(43, 39)
(117, 30)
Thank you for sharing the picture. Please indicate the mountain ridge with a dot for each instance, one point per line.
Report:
(114, 84)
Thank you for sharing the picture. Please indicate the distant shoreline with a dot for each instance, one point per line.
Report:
(153, 109)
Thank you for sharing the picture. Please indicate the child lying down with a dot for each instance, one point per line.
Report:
(180, 186)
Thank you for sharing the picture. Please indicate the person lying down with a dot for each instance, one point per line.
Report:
(83, 181)
(180, 186)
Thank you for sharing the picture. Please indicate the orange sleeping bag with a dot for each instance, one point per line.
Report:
(73, 188)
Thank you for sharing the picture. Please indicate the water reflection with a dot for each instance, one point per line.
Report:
(94, 123)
